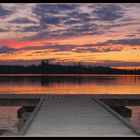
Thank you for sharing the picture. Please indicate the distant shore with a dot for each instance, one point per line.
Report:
(64, 75)
(46, 68)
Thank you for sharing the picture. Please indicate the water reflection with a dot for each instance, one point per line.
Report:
(14, 113)
(69, 84)
(135, 119)
(12, 119)
(8, 120)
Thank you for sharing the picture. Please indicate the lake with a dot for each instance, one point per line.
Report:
(8, 120)
(69, 84)
(12, 119)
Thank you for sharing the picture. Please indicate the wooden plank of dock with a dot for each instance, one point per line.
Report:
(74, 115)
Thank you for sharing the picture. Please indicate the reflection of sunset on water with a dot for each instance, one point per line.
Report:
(135, 118)
(8, 120)
(71, 85)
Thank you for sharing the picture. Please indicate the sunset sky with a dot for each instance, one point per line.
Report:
(98, 34)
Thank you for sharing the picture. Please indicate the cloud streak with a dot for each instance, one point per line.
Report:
(5, 49)
(130, 42)
(22, 21)
(60, 48)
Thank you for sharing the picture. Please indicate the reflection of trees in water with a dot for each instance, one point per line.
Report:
(19, 80)
(48, 80)
(129, 79)
(76, 80)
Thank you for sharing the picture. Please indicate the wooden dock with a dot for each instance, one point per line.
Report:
(74, 115)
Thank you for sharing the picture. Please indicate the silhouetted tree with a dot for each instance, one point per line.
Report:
(42, 62)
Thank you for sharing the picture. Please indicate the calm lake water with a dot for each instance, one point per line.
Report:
(8, 120)
(12, 119)
(69, 84)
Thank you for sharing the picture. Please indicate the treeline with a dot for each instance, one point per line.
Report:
(46, 68)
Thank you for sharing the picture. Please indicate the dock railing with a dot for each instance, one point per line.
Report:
(118, 116)
(27, 124)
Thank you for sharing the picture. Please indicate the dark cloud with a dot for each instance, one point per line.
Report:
(6, 49)
(71, 22)
(85, 28)
(43, 9)
(88, 48)
(75, 21)
(75, 30)
(52, 47)
(4, 30)
(67, 7)
(108, 12)
(22, 21)
(79, 21)
(48, 14)
(131, 42)
(4, 12)
(43, 25)
(64, 14)
(52, 20)
(32, 29)
(81, 50)
(46, 21)
(131, 35)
